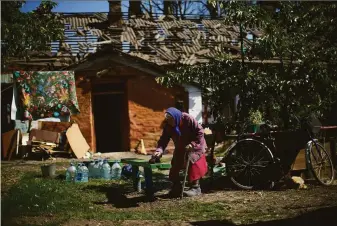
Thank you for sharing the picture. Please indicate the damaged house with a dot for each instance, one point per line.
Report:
(116, 61)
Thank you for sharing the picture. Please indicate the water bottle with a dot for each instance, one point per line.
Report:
(91, 169)
(85, 173)
(100, 164)
(105, 170)
(79, 174)
(116, 171)
(96, 170)
(71, 173)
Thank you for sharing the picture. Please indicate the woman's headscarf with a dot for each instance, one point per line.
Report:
(176, 114)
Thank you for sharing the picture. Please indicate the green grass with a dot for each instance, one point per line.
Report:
(33, 195)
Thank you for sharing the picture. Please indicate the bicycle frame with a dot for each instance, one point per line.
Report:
(279, 165)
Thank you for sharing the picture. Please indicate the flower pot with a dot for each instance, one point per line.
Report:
(254, 128)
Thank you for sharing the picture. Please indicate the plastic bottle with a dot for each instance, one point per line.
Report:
(98, 167)
(85, 173)
(105, 170)
(116, 171)
(71, 173)
(96, 170)
(100, 162)
(79, 174)
(91, 169)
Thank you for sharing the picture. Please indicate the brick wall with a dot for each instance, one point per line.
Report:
(84, 118)
(147, 104)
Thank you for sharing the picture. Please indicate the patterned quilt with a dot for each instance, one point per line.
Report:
(46, 94)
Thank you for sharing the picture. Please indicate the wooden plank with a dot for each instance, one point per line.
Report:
(77, 142)
(300, 161)
(8, 142)
(17, 137)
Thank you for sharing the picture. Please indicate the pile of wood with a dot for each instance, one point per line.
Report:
(48, 142)
(43, 143)
(48, 148)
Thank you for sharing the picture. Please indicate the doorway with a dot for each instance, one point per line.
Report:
(109, 109)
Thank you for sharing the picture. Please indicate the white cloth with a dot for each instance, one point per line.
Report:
(49, 120)
(13, 107)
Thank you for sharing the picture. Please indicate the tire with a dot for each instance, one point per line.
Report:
(249, 164)
(317, 158)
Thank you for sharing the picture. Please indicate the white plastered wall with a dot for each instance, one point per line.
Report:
(194, 102)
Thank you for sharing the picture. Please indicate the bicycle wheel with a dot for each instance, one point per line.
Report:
(320, 163)
(249, 164)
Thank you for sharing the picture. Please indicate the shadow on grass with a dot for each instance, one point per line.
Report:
(124, 195)
(116, 195)
(324, 216)
(59, 175)
(209, 185)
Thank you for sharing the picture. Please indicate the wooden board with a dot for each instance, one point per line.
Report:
(77, 142)
(8, 141)
(55, 126)
(299, 163)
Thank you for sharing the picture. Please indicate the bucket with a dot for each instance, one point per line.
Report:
(48, 170)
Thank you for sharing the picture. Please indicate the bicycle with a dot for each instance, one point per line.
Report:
(253, 160)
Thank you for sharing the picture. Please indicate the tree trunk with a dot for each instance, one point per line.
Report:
(180, 7)
(213, 12)
(168, 8)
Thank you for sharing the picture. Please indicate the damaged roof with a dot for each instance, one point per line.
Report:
(163, 41)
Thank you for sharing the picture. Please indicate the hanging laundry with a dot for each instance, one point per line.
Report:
(45, 94)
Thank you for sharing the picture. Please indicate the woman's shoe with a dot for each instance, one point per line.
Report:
(193, 191)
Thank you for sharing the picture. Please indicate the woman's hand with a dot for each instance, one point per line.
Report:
(157, 154)
(189, 148)
(155, 158)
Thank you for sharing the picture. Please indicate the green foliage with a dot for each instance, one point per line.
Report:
(25, 32)
(255, 117)
(301, 36)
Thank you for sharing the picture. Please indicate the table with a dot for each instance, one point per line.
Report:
(136, 163)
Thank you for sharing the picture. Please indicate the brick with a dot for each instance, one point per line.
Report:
(84, 117)
(147, 102)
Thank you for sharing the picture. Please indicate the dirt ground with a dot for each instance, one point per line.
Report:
(316, 205)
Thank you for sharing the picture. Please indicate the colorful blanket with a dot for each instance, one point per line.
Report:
(46, 94)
